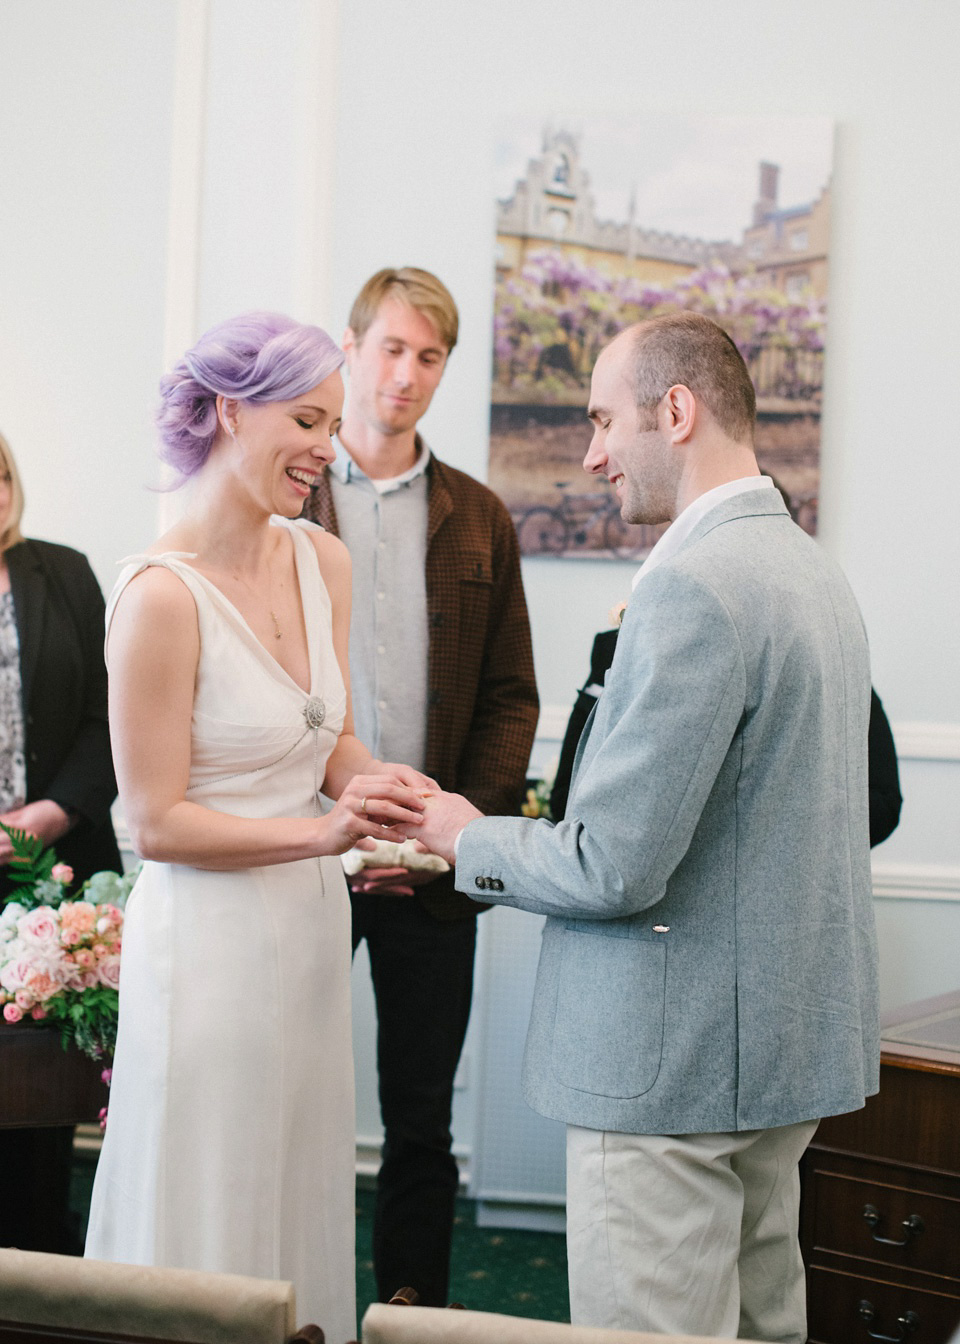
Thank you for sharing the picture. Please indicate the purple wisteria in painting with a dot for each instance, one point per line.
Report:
(560, 299)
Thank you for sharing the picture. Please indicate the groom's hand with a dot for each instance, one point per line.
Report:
(390, 881)
(444, 817)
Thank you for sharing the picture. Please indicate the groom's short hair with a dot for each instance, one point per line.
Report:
(418, 289)
(689, 348)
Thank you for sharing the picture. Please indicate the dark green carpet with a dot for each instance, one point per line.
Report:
(493, 1269)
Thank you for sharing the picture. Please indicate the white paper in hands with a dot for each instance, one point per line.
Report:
(390, 854)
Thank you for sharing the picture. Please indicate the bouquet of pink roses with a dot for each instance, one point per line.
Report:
(60, 957)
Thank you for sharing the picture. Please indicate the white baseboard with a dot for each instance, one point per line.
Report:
(927, 741)
(916, 882)
(916, 741)
(530, 1217)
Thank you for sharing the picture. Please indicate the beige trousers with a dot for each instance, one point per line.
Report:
(693, 1234)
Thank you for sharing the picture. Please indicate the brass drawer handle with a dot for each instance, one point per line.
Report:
(906, 1323)
(912, 1226)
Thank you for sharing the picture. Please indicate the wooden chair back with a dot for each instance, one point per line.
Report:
(58, 1299)
(433, 1325)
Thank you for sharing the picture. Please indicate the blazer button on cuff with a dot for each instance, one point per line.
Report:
(481, 883)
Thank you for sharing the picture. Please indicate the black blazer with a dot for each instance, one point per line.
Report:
(884, 777)
(59, 611)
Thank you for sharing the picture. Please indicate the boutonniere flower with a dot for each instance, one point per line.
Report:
(615, 614)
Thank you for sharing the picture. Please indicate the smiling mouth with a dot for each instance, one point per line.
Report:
(616, 481)
(308, 479)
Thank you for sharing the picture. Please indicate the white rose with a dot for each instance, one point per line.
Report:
(40, 928)
(15, 973)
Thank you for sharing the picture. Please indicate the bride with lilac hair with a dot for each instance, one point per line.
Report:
(230, 1143)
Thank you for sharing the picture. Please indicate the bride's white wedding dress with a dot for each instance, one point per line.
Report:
(230, 1140)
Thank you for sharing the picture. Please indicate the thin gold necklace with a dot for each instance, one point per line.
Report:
(277, 632)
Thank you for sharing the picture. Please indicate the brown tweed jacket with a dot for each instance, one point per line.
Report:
(482, 698)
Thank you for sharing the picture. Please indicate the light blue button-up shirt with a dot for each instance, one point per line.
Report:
(384, 526)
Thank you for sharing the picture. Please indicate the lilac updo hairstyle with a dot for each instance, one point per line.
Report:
(255, 357)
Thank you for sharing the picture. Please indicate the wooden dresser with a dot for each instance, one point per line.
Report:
(880, 1213)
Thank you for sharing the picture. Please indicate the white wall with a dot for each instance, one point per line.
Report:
(335, 139)
(85, 96)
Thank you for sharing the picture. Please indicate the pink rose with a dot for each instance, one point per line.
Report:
(84, 957)
(38, 1013)
(109, 971)
(73, 977)
(39, 927)
(12, 1013)
(79, 917)
(88, 979)
(62, 872)
(43, 986)
(23, 999)
(106, 1076)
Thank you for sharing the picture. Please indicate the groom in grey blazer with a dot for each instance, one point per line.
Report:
(707, 982)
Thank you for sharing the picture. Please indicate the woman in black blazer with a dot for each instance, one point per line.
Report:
(58, 612)
(56, 781)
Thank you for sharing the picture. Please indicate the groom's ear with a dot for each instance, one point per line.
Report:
(679, 408)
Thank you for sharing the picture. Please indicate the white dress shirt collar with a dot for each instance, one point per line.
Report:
(684, 523)
(346, 469)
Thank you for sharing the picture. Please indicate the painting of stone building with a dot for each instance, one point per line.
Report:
(570, 275)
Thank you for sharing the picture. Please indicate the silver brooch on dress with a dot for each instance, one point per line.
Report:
(314, 711)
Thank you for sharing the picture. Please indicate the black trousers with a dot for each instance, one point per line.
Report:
(422, 970)
(35, 1206)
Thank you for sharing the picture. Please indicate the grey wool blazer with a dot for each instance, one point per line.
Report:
(709, 957)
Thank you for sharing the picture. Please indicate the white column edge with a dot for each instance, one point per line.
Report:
(318, 91)
(186, 193)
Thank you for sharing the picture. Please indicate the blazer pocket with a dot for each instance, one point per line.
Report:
(475, 568)
(476, 586)
(608, 1030)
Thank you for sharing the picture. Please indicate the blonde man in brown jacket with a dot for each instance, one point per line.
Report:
(442, 673)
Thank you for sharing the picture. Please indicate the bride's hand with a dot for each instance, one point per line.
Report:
(375, 805)
(405, 774)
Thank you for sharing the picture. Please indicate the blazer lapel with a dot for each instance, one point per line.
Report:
(439, 503)
(319, 507)
(28, 587)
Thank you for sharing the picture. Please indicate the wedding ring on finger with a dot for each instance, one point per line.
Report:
(363, 803)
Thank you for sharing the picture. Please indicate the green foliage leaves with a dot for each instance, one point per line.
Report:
(87, 1019)
(31, 863)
